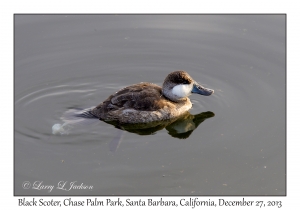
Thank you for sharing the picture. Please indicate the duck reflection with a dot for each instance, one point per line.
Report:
(181, 127)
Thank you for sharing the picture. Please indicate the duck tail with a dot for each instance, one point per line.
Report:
(75, 114)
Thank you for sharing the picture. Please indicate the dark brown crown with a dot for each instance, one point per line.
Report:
(179, 77)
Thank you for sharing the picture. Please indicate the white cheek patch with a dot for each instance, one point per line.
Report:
(182, 91)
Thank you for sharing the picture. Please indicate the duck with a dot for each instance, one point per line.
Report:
(147, 102)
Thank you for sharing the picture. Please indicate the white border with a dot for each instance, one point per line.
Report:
(154, 6)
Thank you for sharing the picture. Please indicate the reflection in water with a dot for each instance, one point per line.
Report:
(181, 127)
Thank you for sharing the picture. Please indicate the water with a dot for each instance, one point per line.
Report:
(64, 62)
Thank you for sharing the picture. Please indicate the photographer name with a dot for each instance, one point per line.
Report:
(61, 185)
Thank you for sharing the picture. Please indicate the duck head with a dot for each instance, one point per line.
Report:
(179, 84)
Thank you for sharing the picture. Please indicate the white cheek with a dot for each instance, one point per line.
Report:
(182, 90)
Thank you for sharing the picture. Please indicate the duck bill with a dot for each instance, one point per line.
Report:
(199, 89)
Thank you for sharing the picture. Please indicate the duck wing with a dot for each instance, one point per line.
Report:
(142, 97)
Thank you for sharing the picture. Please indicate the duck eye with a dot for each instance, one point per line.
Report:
(185, 82)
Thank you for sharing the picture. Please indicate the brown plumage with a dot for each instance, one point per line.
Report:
(147, 102)
(141, 99)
